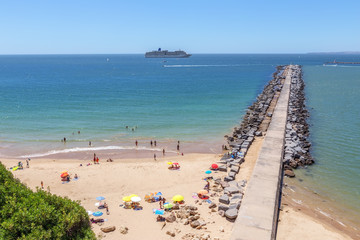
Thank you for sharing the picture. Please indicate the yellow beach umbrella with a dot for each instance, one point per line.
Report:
(64, 171)
(169, 163)
(133, 195)
(126, 199)
(178, 198)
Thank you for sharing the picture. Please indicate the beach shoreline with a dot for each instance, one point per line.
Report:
(121, 177)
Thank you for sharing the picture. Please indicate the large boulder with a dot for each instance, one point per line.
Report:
(231, 213)
(171, 218)
(223, 207)
(124, 230)
(212, 205)
(224, 199)
(232, 189)
(238, 196)
(108, 229)
(232, 175)
(289, 173)
(235, 169)
(224, 184)
(228, 179)
(195, 224)
(222, 168)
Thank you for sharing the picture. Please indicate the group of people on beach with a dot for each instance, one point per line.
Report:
(96, 159)
(154, 143)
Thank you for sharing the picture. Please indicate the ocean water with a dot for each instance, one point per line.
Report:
(197, 100)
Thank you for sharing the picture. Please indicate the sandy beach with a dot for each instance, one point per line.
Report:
(120, 178)
(142, 176)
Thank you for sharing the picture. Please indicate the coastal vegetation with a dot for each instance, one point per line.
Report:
(25, 214)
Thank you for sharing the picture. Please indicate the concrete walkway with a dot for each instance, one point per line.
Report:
(257, 218)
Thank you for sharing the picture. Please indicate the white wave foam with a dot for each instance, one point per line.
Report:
(297, 201)
(84, 149)
(341, 224)
(323, 213)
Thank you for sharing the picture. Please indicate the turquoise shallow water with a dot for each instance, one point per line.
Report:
(47, 97)
(333, 99)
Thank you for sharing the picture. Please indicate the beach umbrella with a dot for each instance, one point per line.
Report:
(126, 199)
(100, 198)
(208, 172)
(169, 163)
(133, 195)
(97, 214)
(159, 194)
(203, 192)
(65, 174)
(168, 205)
(214, 166)
(136, 199)
(64, 171)
(159, 212)
(178, 198)
(89, 212)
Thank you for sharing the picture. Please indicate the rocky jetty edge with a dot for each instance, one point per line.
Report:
(297, 146)
(243, 136)
(229, 189)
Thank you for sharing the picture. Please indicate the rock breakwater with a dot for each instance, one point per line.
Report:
(229, 189)
(243, 136)
(297, 147)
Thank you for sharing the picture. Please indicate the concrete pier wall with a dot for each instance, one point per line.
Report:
(257, 218)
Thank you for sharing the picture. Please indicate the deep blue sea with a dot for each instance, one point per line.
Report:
(45, 98)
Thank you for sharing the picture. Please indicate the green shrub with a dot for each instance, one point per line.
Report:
(25, 214)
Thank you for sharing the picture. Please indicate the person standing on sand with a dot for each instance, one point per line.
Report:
(178, 147)
(107, 208)
(163, 151)
(42, 185)
(154, 156)
(27, 163)
(94, 158)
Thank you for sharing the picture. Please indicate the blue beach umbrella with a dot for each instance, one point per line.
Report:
(100, 198)
(159, 194)
(208, 172)
(97, 214)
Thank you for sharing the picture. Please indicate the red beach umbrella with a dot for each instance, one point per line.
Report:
(214, 166)
(65, 174)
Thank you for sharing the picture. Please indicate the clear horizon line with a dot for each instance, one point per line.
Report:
(303, 53)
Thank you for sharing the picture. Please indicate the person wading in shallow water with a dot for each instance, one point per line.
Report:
(136, 143)
(155, 157)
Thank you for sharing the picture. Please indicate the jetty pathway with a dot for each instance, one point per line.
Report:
(257, 218)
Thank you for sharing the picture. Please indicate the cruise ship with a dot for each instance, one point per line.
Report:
(166, 54)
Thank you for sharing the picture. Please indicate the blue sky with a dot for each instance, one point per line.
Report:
(197, 26)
